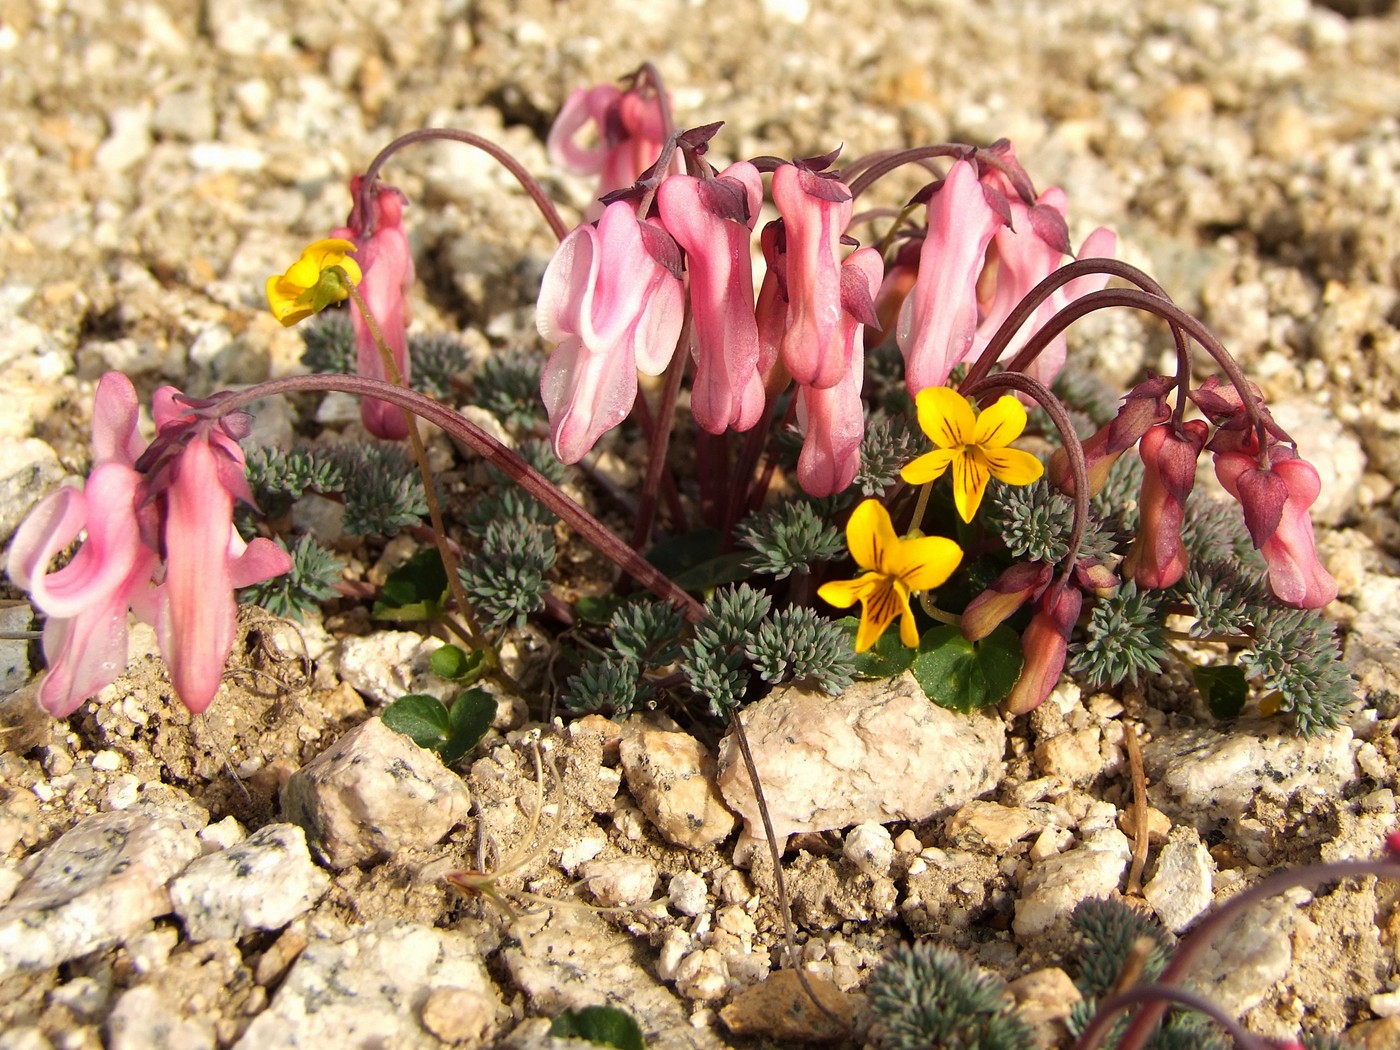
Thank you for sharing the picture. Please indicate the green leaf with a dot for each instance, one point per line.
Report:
(471, 716)
(1223, 687)
(604, 1025)
(415, 591)
(885, 659)
(455, 663)
(962, 675)
(423, 719)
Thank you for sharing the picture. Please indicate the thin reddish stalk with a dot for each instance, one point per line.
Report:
(498, 455)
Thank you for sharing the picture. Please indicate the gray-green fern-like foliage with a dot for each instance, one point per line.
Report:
(381, 490)
(931, 996)
(311, 580)
(505, 576)
(788, 538)
(1123, 640)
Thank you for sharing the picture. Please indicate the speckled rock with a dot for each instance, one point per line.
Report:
(672, 778)
(1181, 887)
(1058, 883)
(100, 882)
(830, 762)
(370, 989)
(262, 883)
(372, 792)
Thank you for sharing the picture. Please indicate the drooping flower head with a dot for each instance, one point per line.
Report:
(612, 302)
(1276, 502)
(895, 569)
(816, 208)
(833, 418)
(631, 131)
(1157, 557)
(938, 320)
(974, 445)
(377, 229)
(1044, 647)
(158, 540)
(712, 219)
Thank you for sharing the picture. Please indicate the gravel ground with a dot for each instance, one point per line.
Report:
(158, 160)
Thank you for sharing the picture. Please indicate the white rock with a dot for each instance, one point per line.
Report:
(624, 881)
(227, 832)
(675, 945)
(1182, 887)
(144, 1018)
(672, 778)
(1058, 883)
(372, 792)
(688, 893)
(1207, 776)
(369, 989)
(831, 762)
(386, 665)
(1248, 960)
(585, 849)
(100, 882)
(567, 964)
(128, 140)
(870, 848)
(262, 883)
(702, 975)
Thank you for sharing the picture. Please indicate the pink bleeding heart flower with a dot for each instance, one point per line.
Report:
(158, 540)
(613, 304)
(387, 267)
(1157, 557)
(1276, 503)
(833, 418)
(1022, 254)
(1044, 647)
(816, 210)
(938, 320)
(631, 130)
(712, 219)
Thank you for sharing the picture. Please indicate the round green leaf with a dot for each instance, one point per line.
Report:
(471, 716)
(1223, 687)
(604, 1025)
(423, 719)
(962, 675)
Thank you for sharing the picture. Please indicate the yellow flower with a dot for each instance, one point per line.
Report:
(896, 568)
(973, 445)
(314, 281)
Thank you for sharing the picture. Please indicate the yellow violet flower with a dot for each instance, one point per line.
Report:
(896, 568)
(314, 281)
(975, 446)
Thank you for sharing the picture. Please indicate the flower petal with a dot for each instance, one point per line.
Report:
(845, 593)
(878, 609)
(870, 536)
(1001, 423)
(946, 417)
(970, 477)
(928, 467)
(927, 562)
(1012, 466)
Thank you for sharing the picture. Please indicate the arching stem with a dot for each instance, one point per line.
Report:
(1079, 468)
(488, 448)
(527, 181)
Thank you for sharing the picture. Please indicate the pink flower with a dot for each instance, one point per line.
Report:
(712, 219)
(613, 307)
(1276, 503)
(631, 129)
(833, 418)
(816, 210)
(1157, 557)
(938, 320)
(1022, 254)
(159, 542)
(1044, 645)
(387, 265)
